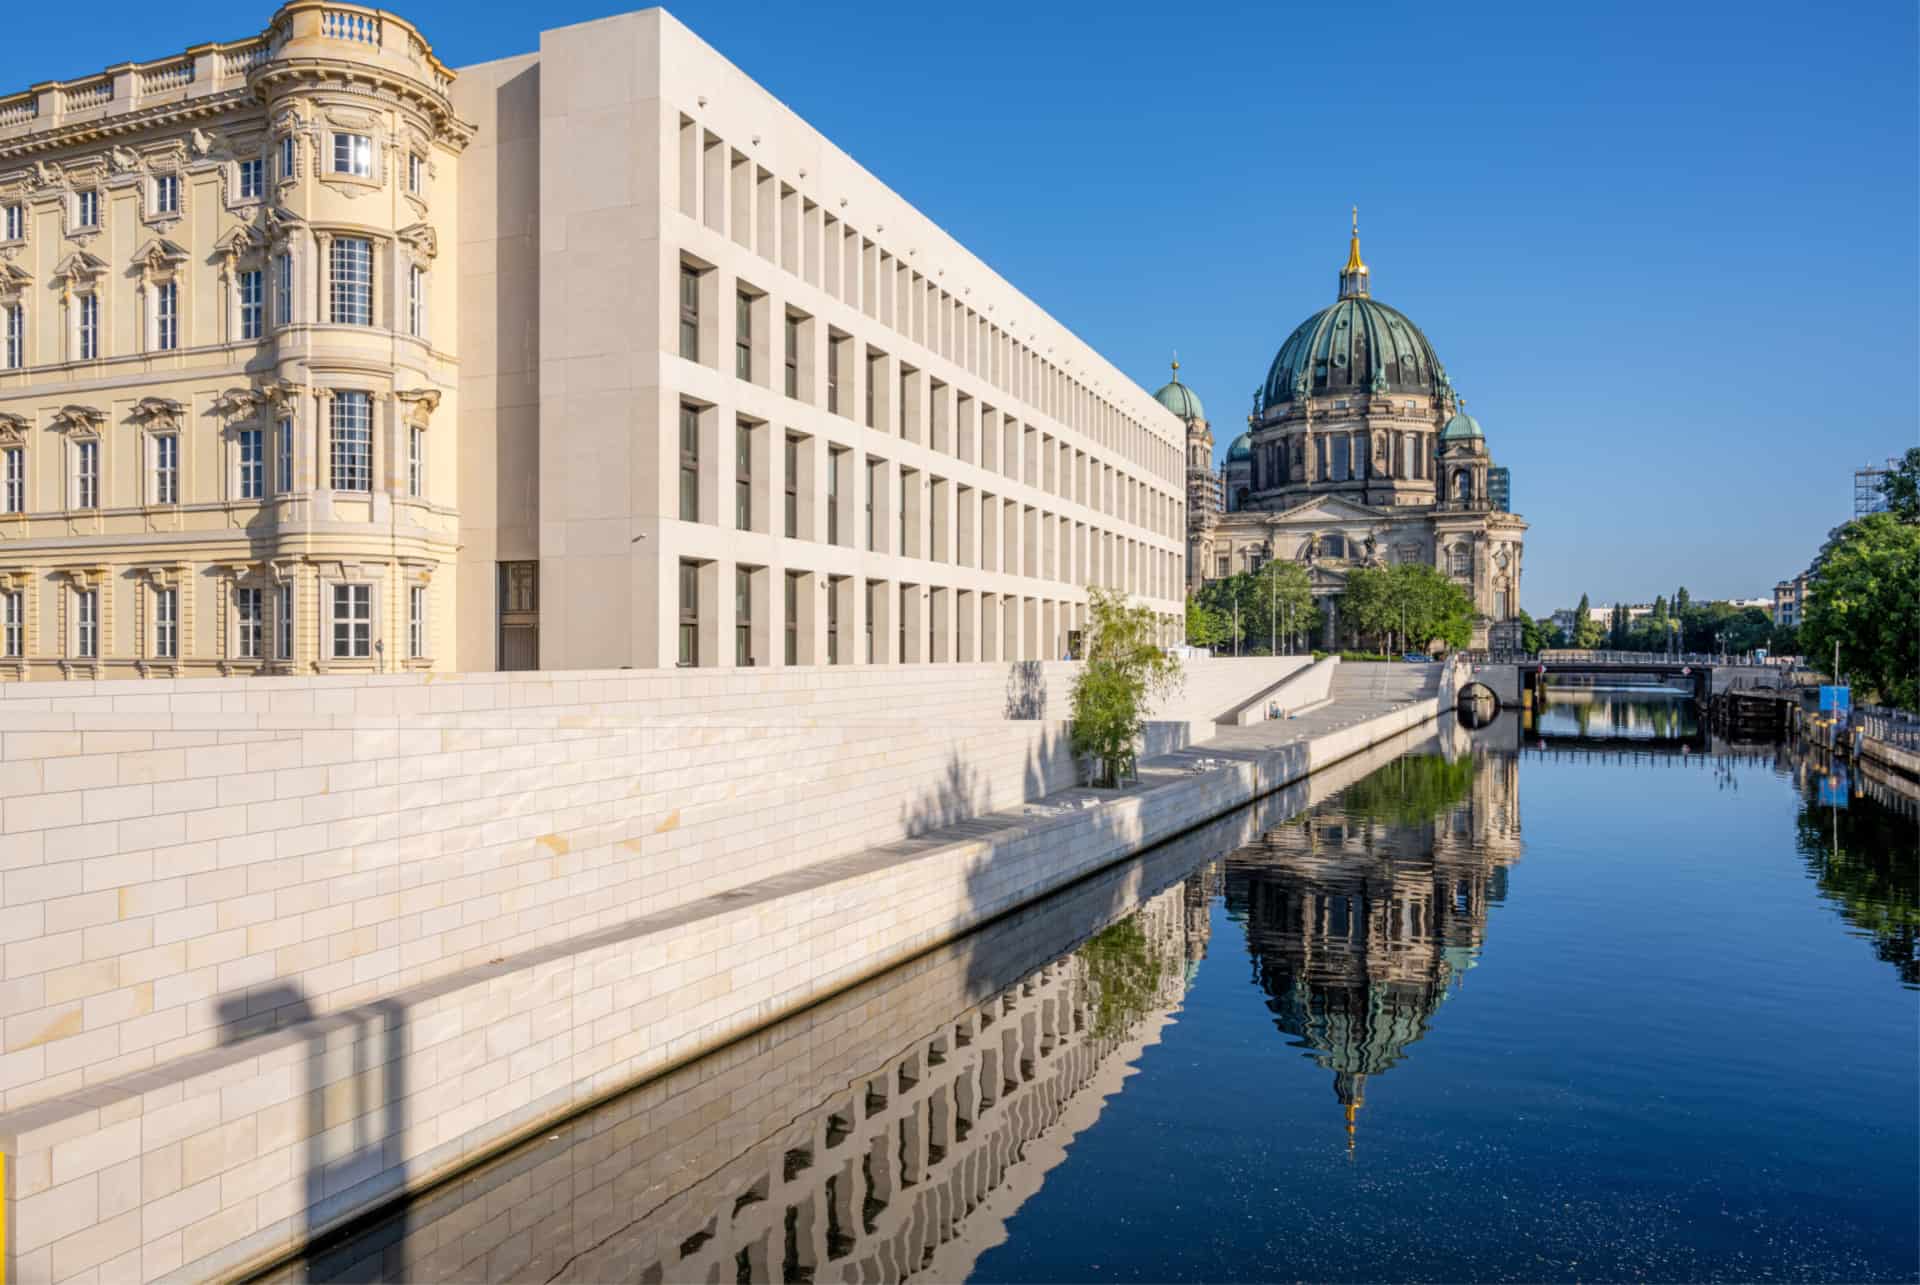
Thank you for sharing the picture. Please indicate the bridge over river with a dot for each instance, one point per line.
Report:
(1507, 675)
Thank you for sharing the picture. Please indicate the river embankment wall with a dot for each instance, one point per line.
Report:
(568, 955)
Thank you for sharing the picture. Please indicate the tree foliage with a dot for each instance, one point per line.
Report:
(1272, 600)
(1125, 671)
(1587, 632)
(1206, 627)
(1534, 634)
(1409, 601)
(1901, 486)
(1865, 595)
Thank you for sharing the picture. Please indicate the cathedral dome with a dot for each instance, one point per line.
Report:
(1460, 428)
(1242, 448)
(1180, 399)
(1356, 346)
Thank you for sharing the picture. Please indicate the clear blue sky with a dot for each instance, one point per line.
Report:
(1667, 251)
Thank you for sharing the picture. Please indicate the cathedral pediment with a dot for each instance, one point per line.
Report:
(1328, 508)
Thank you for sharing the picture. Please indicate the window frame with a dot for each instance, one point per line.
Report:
(13, 624)
(88, 323)
(283, 623)
(742, 475)
(416, 301)
(250, 292)
(248, 622)
(350, 290)
(13, 222)
(351, 153)
(86, 624)
(743, 617)
(688, 652)
(350, 443)
(352, 620)
(689, 509)
(289, 157)
(283, 288)
(690, 312)
(166, 194)
(416, 622)
(13, 336)
(166, 316)
(250, 178)
(283, 456)
(86, 208)
(743, 335)
(166, 622)
(86, 473)
(251, 444)
(164, 451)
(13, 479)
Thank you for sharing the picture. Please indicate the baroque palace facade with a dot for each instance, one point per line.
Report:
(318, 356)
(1358, 452)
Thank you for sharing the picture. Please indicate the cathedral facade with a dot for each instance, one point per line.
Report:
(1358, 451)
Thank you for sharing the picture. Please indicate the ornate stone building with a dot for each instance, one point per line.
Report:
(1204, 501)
(227, 384)
(1359, 451)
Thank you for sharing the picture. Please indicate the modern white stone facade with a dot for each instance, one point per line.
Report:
(316, 355)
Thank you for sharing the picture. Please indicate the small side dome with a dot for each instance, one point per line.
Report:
(1461, 428)
(1242, 449)
(1180, 399)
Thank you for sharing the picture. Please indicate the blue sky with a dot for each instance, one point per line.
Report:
(1667, 252)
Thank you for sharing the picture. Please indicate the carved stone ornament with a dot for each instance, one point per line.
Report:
(13, 279)
(46, 175)
(79, 421)
(122, 159)
(421, 238)
(283, 395)
(159, 254)
(236, 402)
(201, 143)
(238, 241)
(418, 405)
(79, 267)
(13, 429)
(158, 414)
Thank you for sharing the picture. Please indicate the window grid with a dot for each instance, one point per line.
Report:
(88, 215)
(13, 612)
(167, 313)
(15, 480)
(353, 154)
(86, 475)
(417, 621)
(834, 458)
(289, 156)
(689, 614)
(417, 301)
(246, 618)
(351, 446)
(87, 623)
(793, 488)
(16, 229)
(743, 336)
(283, 462)
(89, 327)
(16, 338)
(743, 477)
(689, 464)
(252, 312)
(416, 173)
(350, 293)
(166, 622)
(743, 616)
(253, 465)
(791, 605)
(416, 462)
(793, 356)
(166, 469)
(283, 290)
(352, 621)
(283, 623)
(689, 314)
(166, 194)
(253, 179)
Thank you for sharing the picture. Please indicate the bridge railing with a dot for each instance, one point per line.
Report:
(1597, 656)
(1889, 726)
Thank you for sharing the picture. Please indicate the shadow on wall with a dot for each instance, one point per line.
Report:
(1026, 691)
(349, 1103)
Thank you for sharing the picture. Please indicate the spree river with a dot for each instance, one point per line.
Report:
(1597, 999)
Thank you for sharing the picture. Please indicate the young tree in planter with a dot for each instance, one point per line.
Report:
(1125, 671)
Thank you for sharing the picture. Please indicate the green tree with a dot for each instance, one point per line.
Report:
(1280, 597)
(1785, 641)
(1409, 601)
(1205, 627)
(1901, 486)
(1533, 634)
(1587, 632)
(1865, 596)
(1125, 671)
(1220, 596)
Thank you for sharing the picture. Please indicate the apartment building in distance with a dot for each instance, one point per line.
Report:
(317, 356)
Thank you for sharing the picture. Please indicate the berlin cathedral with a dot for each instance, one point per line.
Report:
(1358, 452)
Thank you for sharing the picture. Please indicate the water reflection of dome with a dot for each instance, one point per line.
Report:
(1361, 919)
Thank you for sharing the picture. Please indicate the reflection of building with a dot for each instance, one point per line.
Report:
(1360, 451)
(1362, 913)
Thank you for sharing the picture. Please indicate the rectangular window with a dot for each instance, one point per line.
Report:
(792, 526)
(253, 465)
(743, 477)
(87, 209)
(689, 614)
(743, 336)
(834, 459)
(833, 621)
(283, 458)
(283, 623)
(283, 289)
(833, 374)
(793, 356)
(16, 336)
(166, 622)
(86, 617)
(89, 327)
(166, 194)
(246, 624)
(16, 223)
(353, 154)
(15, 480)
(253, 179)
(416, 173)
(252, 305)
(742, 616)
(689, 463)
(874, 469)
(417, 301)
(791, 608)
(873, 379)
(86, 474)
(351, 448)
(417, 621)
(13, 615)
(689, 314)
(352, 621)
(167, 315)
(416, 462)
(166, 469)
(289, 157)
(350, 296)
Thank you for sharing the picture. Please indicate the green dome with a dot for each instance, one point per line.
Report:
(1180, 399)
(1242, 448)
(1358, 346)
(1461, 427)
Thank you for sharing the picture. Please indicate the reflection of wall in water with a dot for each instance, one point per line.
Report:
(730, 1176)
(1359, 925)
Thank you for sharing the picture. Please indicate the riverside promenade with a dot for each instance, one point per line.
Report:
(226, 1158)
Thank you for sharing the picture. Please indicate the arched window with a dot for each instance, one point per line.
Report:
(1333, 546)
(1460, 559)
(1463, 486)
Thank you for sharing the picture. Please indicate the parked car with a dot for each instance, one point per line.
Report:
(1416, 658)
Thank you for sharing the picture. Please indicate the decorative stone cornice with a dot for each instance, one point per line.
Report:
(235, 402)
(139, 122)
(158, 414)
(79, 421)
(421, 239)
(159, 255)
(13, 280)
(79, 266)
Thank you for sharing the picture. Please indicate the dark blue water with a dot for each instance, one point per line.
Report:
(1608, 1000)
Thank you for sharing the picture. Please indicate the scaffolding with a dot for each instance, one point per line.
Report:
(1867, 495)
